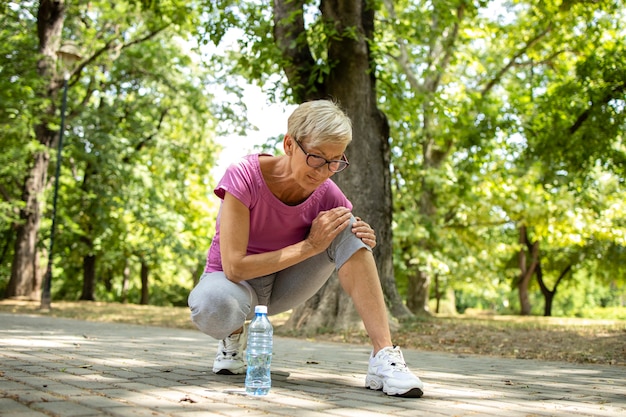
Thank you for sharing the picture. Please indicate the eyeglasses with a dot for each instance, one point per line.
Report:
(316, 161)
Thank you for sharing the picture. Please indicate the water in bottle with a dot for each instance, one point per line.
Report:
(259, 353)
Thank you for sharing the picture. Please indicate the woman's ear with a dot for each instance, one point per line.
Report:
(288, 144)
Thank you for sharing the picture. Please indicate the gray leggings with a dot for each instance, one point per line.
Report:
(220, 306)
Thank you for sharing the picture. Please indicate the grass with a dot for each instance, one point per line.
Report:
(544, 338)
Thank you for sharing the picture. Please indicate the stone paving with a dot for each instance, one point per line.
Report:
(62, 367)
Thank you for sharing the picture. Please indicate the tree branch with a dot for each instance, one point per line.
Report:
(83, 103)
(615, 92)
(495, 80)
(139, 146)
(545, 61)
(448, 46)
(403, 59)
(533, 249)
(563, 273)
(111, 45)
(478, 224)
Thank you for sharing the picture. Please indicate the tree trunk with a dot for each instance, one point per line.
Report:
(25, 282)
(548, 294)
(524, 300)
(125, 281)
(418, 293)
(419, 283)
(366, 183)
(438, 294)
(145, 291)
(330, 308)
(526, 271)
(89, 278)
(25, 278)
(108, 280)
(547, 308)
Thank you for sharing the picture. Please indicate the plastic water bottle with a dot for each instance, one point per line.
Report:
(259, 353)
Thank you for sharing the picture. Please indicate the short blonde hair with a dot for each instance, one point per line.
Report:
(318, 122)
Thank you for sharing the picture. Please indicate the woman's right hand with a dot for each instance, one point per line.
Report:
(327, 226)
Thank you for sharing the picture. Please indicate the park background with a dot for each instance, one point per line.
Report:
(488, 152)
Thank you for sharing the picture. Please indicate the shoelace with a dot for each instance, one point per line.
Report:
(231, 345)
(395, 359)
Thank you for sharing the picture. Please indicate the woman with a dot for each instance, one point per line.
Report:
(282, 228)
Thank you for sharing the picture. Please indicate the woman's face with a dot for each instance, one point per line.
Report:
(308, 176)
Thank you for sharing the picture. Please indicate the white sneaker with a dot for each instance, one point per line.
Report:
(229, 359)
(387, 371)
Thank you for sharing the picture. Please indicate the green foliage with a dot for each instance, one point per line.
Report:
(20, 107)
(135, 182)
(501, 118)
(501, 114)
(607, 313)
(142, 188)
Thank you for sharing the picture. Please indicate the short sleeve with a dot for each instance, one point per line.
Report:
(238, 181)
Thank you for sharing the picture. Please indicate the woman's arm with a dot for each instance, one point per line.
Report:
(235, 231)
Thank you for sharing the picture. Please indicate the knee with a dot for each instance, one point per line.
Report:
(216, 316)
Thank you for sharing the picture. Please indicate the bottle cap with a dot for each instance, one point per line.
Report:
(260, 309)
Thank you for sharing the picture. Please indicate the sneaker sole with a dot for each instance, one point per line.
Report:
(412, 393)
(230, 371)
(226, 372)
(376, 384)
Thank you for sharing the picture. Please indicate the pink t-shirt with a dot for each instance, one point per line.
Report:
(273, 224)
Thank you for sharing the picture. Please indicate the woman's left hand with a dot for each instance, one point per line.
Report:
(364, 232)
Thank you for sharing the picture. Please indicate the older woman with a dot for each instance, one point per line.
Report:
(282, 228)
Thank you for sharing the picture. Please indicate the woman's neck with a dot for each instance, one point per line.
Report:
(280, 181)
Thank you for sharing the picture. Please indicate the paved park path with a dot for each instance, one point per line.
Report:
(61, 367)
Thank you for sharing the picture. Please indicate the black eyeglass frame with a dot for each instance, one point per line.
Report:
(342, 163)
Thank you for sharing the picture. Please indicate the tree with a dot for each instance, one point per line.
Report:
(18, 143)
(125, 98)
(427, 64)
(475, 74)
(340, 65)
(572, 118)
(134, 178)
(26, 275)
